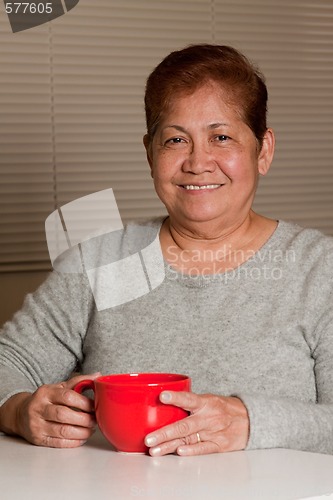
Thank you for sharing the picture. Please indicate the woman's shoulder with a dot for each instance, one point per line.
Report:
(308, 244)
(117, 245)
(110, 246)
(143, 226)
(303, 235)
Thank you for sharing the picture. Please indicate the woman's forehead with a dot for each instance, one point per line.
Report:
(211, 101)
(222, 94)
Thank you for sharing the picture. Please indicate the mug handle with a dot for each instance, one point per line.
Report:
(84, 385)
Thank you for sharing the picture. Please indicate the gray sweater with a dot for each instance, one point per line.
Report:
(262, 332)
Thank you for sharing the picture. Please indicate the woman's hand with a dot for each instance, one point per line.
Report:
(216, 424)
(54, 415)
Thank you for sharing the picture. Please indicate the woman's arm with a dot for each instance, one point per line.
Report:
(41, 346)
(286, 423)
(219, 424)
(43, 342)
(282, 423)
(254, 421)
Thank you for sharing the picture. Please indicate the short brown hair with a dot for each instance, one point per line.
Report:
(183, 71)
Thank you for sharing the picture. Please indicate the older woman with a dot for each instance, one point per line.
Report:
(244, 307)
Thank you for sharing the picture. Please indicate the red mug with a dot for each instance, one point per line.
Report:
(127, 406)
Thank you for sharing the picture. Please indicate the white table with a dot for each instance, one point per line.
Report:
(96, 471)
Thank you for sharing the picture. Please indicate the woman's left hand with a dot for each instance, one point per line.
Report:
(216, 424)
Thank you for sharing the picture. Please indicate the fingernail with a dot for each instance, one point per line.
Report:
(155, 451)
(181, 451)
(165, 397)
(150, 441)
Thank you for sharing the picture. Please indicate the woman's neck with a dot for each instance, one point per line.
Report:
(213, 251)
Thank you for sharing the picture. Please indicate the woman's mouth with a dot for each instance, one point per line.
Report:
(192, 187)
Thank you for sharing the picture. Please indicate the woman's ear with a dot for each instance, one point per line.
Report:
(148, 148)
(267, 152)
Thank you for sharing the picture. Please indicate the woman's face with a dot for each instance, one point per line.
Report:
(204, 160)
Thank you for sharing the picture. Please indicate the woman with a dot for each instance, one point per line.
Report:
(244, 307)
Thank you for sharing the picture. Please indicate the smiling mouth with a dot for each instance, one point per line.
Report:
(192, 187)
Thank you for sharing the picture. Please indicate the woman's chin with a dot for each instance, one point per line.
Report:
(199, 217)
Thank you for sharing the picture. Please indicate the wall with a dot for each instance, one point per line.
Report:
(14, 287)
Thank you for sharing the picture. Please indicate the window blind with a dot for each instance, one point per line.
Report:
(292, 42)
(71, 101)
(26, 178)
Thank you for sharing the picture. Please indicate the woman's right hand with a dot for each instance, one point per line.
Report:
(54, 415)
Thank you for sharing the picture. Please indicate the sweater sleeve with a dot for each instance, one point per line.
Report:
(43, 342)
(286, 423)
(279, 423)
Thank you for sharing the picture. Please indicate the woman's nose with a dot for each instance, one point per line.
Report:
(199, 160)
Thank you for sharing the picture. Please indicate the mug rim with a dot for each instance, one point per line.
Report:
(165, 378)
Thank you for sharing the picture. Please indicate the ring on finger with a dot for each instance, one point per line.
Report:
(198, 437)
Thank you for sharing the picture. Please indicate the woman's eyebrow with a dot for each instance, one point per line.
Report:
(177, 127)
(217, 125)
(212, 126)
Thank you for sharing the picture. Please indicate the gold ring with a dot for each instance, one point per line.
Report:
(199, 440)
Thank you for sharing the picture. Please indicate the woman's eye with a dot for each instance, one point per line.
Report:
(175, 141)
(221, 138)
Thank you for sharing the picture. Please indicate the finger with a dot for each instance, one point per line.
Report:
(202, 448)
(68, 432)
(52, 442)
(65, 415)
(44, 433)
(172, 446)
(67, 397)
(179, 429)
(78, 378)
(58, 435)
(65, 436)
(189, 401)
(60, 394)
